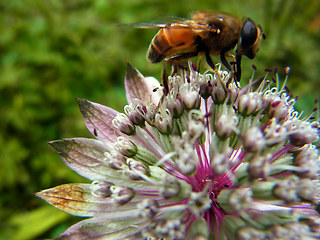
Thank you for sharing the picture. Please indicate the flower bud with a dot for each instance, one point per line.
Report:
(235, 199)
(253, 140)
(250, 103)
(101, 189)
(148, 208)
(248, 233)
(226, 125)
(163, 121)
(124, 124)
(307, 190)
(233, 93)
(121, 195)
(274, 132)
(196, 124)
(175, 106)
(115, 159)
(206, 90)
(135, 116)
(259, 166)
(125, 147)
(286, 190)
(220, 162)
(169, 228)
(148, 112)
(187, 161)
(136, 169)
(219, 94)
(170, 188)
(190, 97)
(301, 132)
(278, 109)
(308, 161)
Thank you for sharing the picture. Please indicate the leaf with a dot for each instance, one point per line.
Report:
(35, 222)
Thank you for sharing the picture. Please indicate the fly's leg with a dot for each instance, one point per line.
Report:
(238, 65)
(214, 68)
(230, 66)
(181, 57)
(164, 79)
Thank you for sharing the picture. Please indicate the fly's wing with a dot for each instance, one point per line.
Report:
(160, 23)
(178, 24)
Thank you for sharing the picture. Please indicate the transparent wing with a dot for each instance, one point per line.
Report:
(190, 24)
(162, 22)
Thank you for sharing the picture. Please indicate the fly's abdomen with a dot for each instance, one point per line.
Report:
(170, 40)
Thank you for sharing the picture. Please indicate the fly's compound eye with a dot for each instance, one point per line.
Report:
(249, 34)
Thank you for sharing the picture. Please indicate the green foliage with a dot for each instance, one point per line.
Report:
(52, 51)
(28, 225)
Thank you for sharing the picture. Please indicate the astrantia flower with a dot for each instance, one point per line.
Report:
(208, 160)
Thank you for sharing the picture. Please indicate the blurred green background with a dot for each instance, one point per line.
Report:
(52, 51)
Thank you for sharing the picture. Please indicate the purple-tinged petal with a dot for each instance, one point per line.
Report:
(98, 119)
(155, 89)
(101, 228)
(86, 157)
(140, 87)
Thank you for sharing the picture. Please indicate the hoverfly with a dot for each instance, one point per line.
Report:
(206, 33)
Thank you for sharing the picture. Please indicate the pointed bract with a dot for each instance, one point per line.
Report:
(87, 158)
(140, 87)
(98, 119)
(100, 228)
(78, 199)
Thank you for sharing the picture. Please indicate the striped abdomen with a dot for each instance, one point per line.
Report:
(169, 40)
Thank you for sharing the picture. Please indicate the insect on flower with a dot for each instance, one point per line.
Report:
(206, 33)
(206, 160)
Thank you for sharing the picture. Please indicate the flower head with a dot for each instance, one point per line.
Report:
(208, 160)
